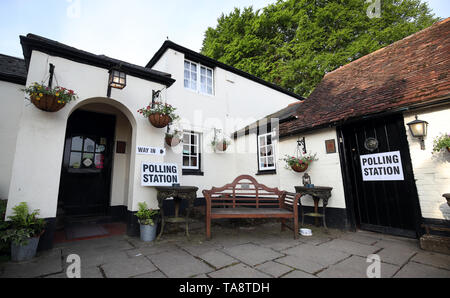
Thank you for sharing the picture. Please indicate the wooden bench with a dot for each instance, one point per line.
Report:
(246, 198)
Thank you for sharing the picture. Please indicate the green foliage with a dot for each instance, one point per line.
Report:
(23, 225)
(62, 94)
(159, 108)
(145, 215)
(441, 142)
(306, 159)
(294, 43)
(4, 225)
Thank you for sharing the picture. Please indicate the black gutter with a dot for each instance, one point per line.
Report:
(15, 79)
(196, 57)
(33, 42)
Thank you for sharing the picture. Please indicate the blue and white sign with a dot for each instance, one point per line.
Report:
(385, 166)
(159, 174)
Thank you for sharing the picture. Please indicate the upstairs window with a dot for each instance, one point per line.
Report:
(198, 78)
(266, 152)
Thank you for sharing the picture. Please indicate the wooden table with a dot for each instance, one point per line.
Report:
(178, 193)
(318, 193)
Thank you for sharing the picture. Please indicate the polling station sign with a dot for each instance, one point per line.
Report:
(385, 166)
(159, 174)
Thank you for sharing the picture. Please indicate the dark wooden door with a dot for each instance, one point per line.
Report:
(384, 206)
(86, 169)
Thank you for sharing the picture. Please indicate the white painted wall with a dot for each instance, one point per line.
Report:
(324, 172)
(12, 100)
(431, 171)
(236, 102)
(40, 141)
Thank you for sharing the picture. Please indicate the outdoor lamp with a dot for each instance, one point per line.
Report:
(419, 129)
(117, 79)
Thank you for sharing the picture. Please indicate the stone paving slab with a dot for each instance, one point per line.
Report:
(261, 252)
(298, 274)
(350, 247)
(361, 237)
(238, 271)
(44, 264)
(320, 254)
(274, 269)
(415, 270)
(276, 243)
(91, 272)
(433, 259)
(95, 257)
(252, 254)
(154, 274)
(154, 249)
(397, 255)
(218, 259)
(129, 267)
(356, 267)
(179, 264)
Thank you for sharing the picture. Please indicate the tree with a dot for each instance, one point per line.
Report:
(294, 43)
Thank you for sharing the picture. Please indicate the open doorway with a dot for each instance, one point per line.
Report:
(93, 187)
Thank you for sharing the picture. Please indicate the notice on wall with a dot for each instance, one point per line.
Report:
(385, 166)
(142, 150)
(159, 174)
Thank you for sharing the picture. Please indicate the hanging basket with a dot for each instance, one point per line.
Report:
(300, 168)
(221, 147)
(173, 141)
(47, 103)
(159, 120)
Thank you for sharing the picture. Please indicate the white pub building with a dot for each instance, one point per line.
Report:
(97, 156)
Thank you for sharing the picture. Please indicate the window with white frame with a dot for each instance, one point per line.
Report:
(266, 152)
(191, 151)
(198, 78)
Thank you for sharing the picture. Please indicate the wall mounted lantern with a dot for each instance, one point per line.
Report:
(419, 129)
(117, 79)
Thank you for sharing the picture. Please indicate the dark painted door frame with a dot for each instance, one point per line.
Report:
(347, 177)
(92, 181)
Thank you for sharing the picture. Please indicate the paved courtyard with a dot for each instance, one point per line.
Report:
(260, 251)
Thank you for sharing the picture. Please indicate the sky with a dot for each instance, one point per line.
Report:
(129, 30)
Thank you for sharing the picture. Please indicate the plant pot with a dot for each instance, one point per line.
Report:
(148, 233)
(173, 141)
(20, 253)
(300, 168)
(221, 147)
(159, 120)
(448, 149)
(47, 103)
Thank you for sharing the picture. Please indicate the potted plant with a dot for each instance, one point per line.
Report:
(26, 229)
(159, 114)
(174, 138)
(146, 219)
(221, 145)
(442, 142)
(299, 164)
(5, 246)
(49, 99)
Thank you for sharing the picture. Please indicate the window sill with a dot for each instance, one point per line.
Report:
(268, 172)
(192, 173)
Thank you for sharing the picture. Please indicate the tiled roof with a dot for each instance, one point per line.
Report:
(13, 69)
(409, 72)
